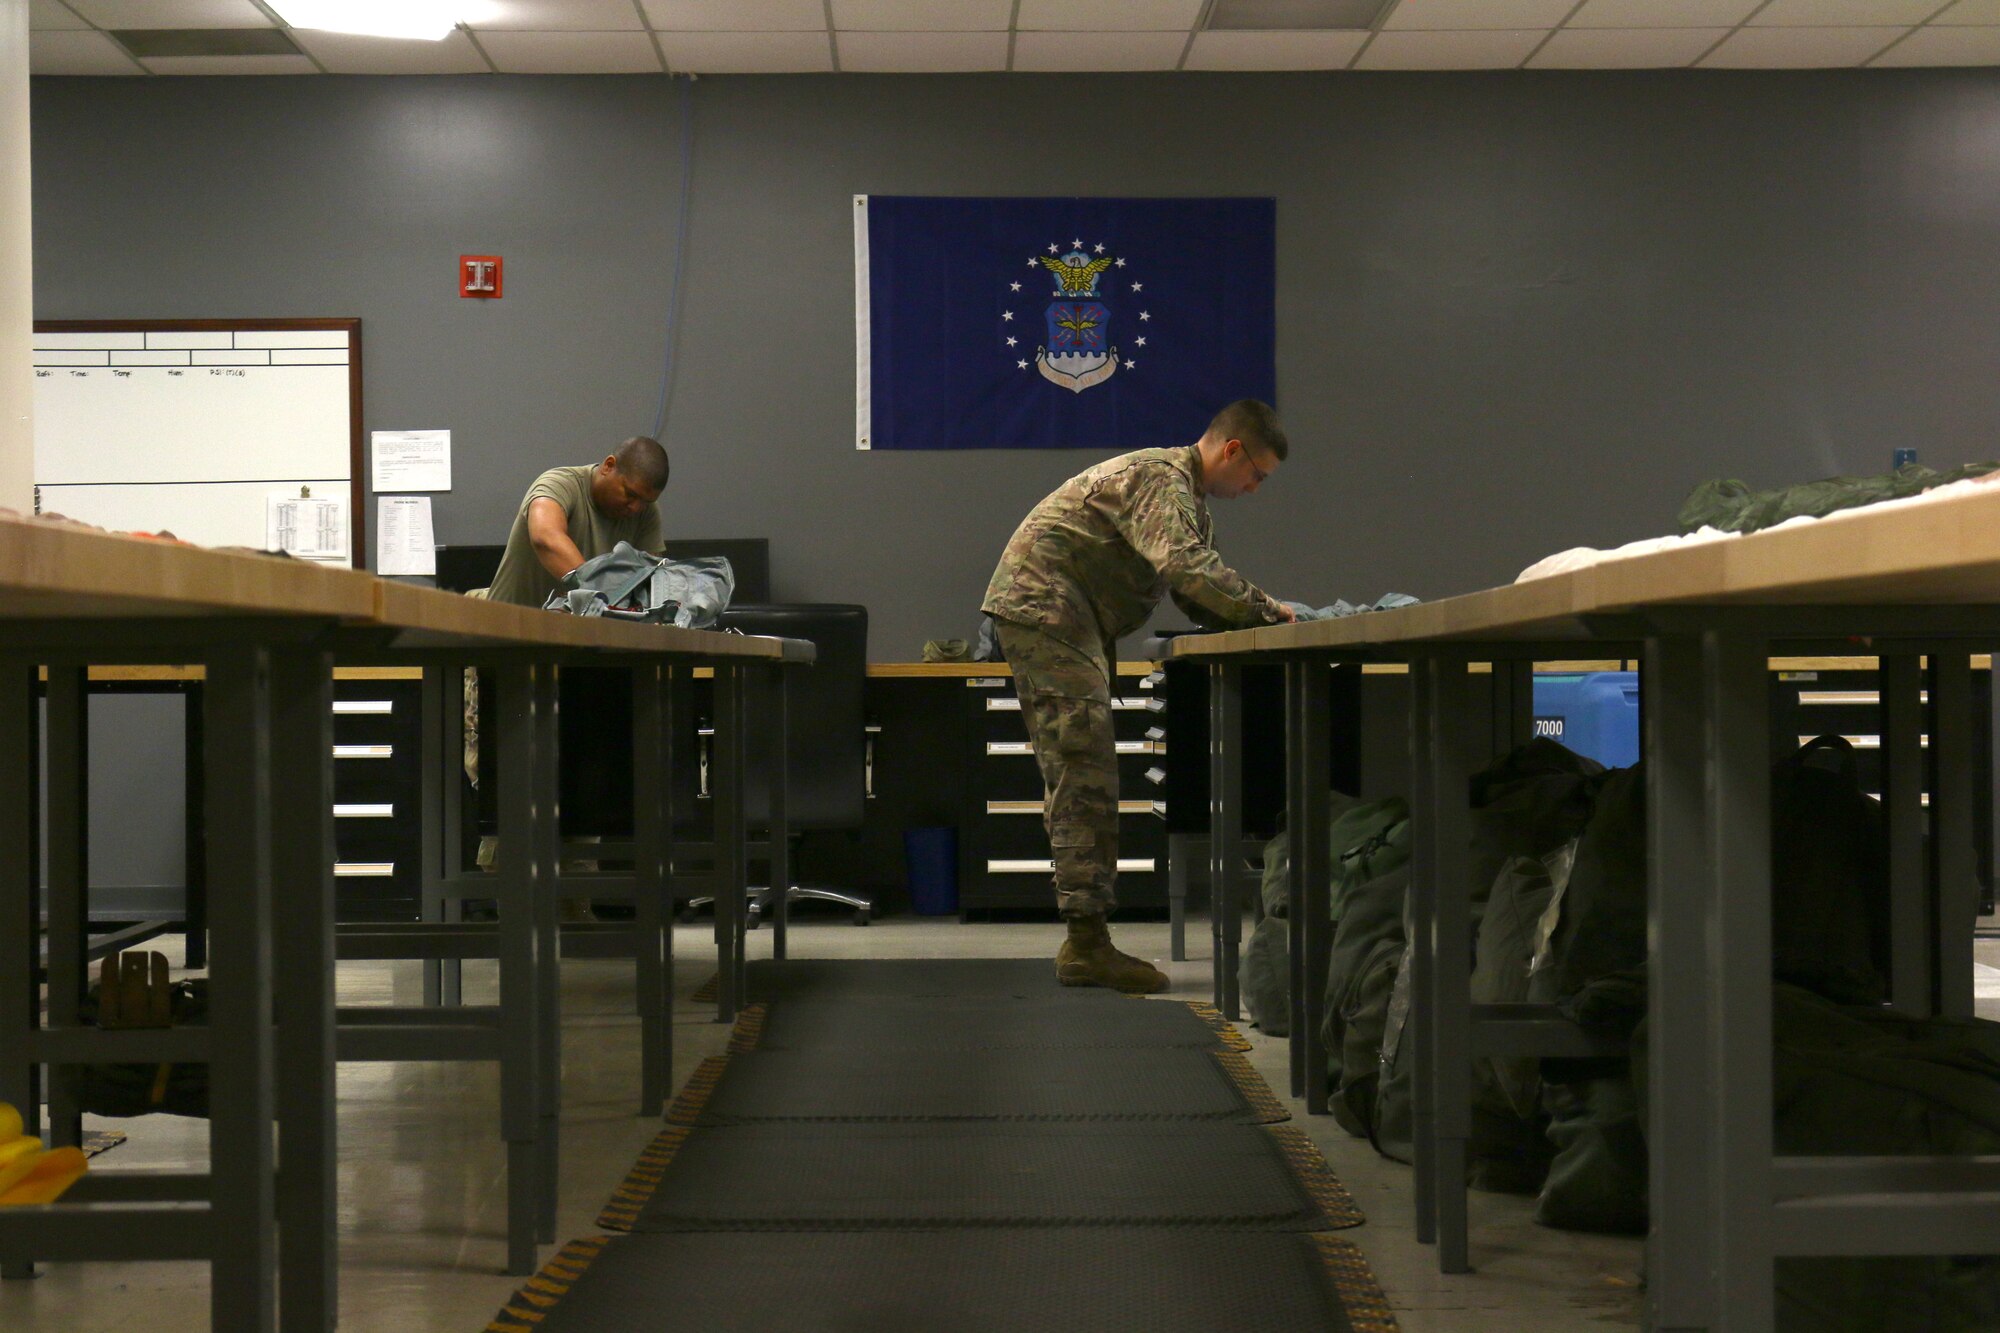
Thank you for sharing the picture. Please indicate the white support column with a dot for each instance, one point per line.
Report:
(17, 269)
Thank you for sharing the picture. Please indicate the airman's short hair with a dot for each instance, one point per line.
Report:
(642, 459)
(1254, 423)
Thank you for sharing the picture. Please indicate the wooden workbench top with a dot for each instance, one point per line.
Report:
(424, 617)
(962, 670)
(1937, 552)
(55, 570)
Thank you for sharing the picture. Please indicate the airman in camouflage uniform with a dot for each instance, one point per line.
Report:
(1085, 568)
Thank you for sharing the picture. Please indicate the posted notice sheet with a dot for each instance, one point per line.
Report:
(307, 528)
(404, 543)
(412, 460)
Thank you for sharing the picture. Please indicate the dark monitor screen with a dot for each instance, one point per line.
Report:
(463, 568)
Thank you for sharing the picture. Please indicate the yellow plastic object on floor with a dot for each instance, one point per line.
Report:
(27, 1174)
(52, 1173)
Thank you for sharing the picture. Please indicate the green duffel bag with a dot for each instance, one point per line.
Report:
(1860, 1082)
(1264, 976)
(1367, 838)
(1367, 957)
(1597, 1179)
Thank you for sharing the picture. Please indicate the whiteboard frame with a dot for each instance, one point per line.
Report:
(357, 522)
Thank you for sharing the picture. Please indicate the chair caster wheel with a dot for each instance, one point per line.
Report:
(687, 917)
(752, 921)
(862, 916)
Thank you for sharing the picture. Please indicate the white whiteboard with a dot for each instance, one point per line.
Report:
(153, 427)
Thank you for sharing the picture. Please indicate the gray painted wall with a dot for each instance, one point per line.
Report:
(1515, 313)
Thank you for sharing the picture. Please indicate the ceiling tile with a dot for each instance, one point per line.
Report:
(52, 15)
(1843, 13)
(1041, 52)
(747, 52)
(559, 16)
(1662, 13)
(1449, 50)
(737, 15)
(1274, 50)
(1944, 46)
(230, 65)
(344, 53)
(1462, 15)
(1626, 48)
(1108, 16)
(571, 52)
(173, 13)
(1800, 48)
(1970, 11)
(922, 52)
(922, 16)
(83, 52)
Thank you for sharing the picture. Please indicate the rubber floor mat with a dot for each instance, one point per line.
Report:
(990, 1280)
(800, 1177)
(1113, 1083)
(917, 978)
(980, 1024)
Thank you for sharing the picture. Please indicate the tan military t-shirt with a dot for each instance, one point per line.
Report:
(521, 578)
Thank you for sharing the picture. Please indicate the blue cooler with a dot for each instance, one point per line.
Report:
(1594, 713)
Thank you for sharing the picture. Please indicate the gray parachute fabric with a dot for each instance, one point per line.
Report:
(627, 584)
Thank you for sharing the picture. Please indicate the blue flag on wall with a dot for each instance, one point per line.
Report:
(1106, 324)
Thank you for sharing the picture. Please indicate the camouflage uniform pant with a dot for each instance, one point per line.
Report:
(1066, 703)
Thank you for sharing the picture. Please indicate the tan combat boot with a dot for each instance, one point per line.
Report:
(1087, 958)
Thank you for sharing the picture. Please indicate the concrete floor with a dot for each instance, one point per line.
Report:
(422, 1179)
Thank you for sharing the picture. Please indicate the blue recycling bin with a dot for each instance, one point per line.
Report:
(1595, 713)
(930, 861)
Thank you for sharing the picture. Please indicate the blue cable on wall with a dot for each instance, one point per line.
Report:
(680, 252)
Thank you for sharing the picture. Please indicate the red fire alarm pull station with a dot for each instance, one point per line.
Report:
(479, 275)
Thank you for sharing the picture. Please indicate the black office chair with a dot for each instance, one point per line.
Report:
(825, 743)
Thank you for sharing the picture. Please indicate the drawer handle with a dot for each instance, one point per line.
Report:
(364, 751)
(386, 810)
(363, 707)
(363, 869)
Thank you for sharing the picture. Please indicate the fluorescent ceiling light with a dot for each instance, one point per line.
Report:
(420, 20)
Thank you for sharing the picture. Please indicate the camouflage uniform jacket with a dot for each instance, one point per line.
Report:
(1089, 563)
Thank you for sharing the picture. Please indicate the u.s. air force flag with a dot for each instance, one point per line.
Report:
(1107, 324)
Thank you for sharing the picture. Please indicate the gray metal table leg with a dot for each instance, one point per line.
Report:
(1955, 851)
(731, 872)
(302, 855)
(1912, 975)
(1225, 842)
(455, 685)
(67, 736)
(651, 910)
(778, 780)
(243, 1293)
(1450, 950)
(1313, 853)
(1417, 1031)
(1680, 1292)
(20, 802)
(547, 851)
(1178, 853)
(1299, 817)
(515, 891)
(1736, 899)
